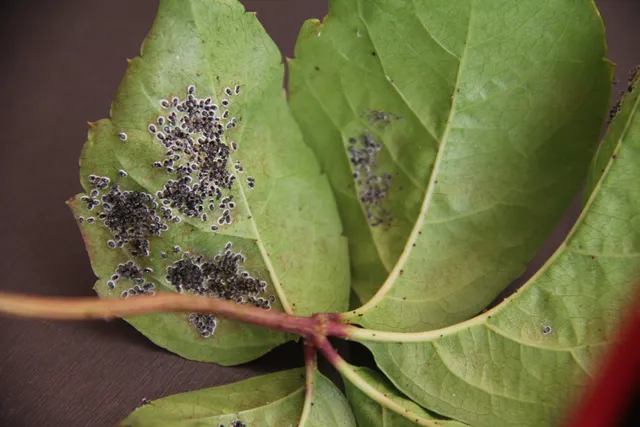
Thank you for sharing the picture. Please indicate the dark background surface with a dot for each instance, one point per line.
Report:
(61, 64)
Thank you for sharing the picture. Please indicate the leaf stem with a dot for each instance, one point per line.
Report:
(346, 370)
(316, 326)
(80, 308)
(310, 365)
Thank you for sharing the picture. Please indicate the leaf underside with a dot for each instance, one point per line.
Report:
(522, 362)
(368, 413)
(269, 400)
(454, 134)
(284, 227)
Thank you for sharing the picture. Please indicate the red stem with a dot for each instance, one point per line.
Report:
(95, 308)
(324, 346)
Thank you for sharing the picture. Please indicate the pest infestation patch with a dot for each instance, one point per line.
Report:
(200, 176)
(130, 272)
(130, 216)
(373, 184)
(197, 157)
(198, 166)
(199, 169)
(223, 276)
(235, 423)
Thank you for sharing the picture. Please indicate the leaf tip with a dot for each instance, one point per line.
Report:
(70, 201)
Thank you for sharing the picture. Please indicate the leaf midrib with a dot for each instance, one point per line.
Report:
(481, 320)
(415, 232)
(263, 251)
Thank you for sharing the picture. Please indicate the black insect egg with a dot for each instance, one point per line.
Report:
(122, 136)
(228, 91)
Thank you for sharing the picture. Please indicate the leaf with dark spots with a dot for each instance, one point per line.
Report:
(455, 135)
(201, 151)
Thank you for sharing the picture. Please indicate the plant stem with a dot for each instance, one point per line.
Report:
(346, 370)
(318, 325)
(95, 308)
(310, 364)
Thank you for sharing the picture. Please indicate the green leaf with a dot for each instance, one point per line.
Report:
(523, 361)
(368, 413)
(481, 114)
(285, 222)
(268, 400)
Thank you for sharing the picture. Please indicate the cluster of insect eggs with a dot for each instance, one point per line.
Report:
(373, 186)
(221, 276)
(236, 423)
(131, 217)
(194, 138)
(205, 324)
(131, 272)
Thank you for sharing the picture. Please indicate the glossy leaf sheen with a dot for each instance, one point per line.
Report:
(368, 413)
(290, 212)
(491, 110)
(269, 400)
(520, 363)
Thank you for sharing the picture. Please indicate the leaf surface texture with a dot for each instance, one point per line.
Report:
(284, 221)
(467, 126)
(522, 362)
(268, 400)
